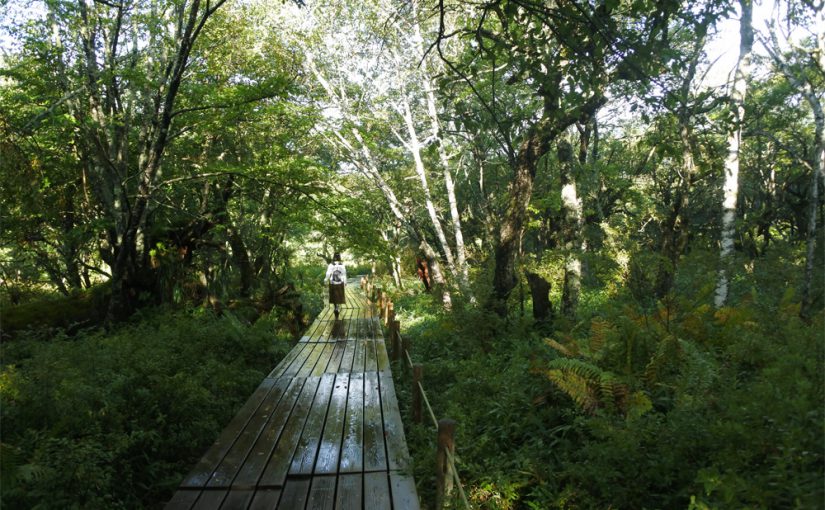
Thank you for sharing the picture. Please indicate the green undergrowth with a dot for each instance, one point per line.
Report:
(81, 309)
(655, 404)
(115, 420)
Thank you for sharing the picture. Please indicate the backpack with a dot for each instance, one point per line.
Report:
(337, 276)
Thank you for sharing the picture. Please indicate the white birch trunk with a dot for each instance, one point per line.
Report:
(572, 207)
(813, 197)
(432, 110)
(818, 172)
(414, 146)
(731, 186)
(812, 96)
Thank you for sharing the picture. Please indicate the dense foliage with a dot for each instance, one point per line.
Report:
(115, 420)
(668, 404)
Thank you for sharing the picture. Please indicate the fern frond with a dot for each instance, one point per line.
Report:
(600, 329)
(667, 353)
(607, 391)
(576, 387)
(564, 350)
(580, 380)
(10, 461)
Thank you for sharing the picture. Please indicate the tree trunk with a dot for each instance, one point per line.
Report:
(675, 230)
(571, 232)
(512, 227)
(126, 265)
(537, 142)
(813, 197)
(540, 292)
(240, 256)
(731, 186)
(818, 174)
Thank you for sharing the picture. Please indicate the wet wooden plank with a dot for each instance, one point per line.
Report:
(303, 352)
(183, 499)
(377, 491)
(265, 499)
(311, 361)
(371, 359)
(360, 354)
(349, 353)
(274, 474)
(350, 492)
(404, 494)
(211, 499)
(375, 457)
(323, 332)
(398, 457)
(322, 493)
(323, 360)
(376, 328)
(287, 360)
(329, 450)
(352, 445)
(318, 323)
(335, 442)
(295, 494)
(337, 355)
(261, 451)
(304, 459)
(238, 499)
(235, 457)
(381, 356)
(339, 330)
(202, 472)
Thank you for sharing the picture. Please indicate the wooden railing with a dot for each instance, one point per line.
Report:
(446, 473)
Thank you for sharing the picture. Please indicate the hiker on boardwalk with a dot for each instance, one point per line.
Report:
(337, 278)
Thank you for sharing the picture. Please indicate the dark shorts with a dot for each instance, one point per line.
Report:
(336, 294)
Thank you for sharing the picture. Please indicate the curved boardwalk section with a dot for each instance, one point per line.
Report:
(322, 431)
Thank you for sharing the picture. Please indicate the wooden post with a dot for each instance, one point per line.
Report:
(405, 347)
(395, 339)
(381, 304)
(390, 313)
(417, 372)
(443, 475)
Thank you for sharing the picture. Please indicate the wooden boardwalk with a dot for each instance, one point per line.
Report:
(322, 431)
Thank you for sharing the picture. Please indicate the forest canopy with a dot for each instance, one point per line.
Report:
(623, 198)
